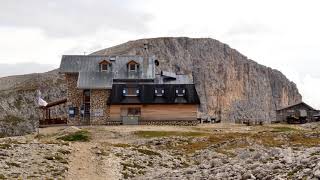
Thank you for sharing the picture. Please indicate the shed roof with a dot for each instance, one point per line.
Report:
(95, 80)
(291, 106)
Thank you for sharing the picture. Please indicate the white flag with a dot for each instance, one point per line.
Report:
(41, 102)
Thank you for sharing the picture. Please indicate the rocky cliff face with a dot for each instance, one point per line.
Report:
(19, 113)
(230, 86)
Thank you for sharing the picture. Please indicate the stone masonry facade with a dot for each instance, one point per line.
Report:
(100, 111)
(74, 96)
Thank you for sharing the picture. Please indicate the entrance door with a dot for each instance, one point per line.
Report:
(131, 116)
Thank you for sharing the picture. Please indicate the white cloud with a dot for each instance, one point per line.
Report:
(24, 68)
(73, 17)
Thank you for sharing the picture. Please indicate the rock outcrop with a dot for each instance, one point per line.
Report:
(19, 113)
(231, 87)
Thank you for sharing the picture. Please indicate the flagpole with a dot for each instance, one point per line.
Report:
(39, 114)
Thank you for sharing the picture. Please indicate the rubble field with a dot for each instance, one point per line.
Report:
(211, 151)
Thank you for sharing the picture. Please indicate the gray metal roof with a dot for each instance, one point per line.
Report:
(78, 63)
(90, 76)
(95, 80)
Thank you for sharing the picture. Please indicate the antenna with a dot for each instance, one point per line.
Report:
(84, 53)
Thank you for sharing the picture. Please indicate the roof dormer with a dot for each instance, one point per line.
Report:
(105, 66)
(133, 66)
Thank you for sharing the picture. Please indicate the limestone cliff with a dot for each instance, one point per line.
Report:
(18, 108)
(230, 86)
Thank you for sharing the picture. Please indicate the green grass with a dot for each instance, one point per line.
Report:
(82, 136)
(155, 134)
(283, 129)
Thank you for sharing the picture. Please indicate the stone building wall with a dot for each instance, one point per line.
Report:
(74, 96)
(100, 111)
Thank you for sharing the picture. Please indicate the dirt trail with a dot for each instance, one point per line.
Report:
(85, 164)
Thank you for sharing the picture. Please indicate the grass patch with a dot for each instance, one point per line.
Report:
(216, 140)
(122, 145)
(82, 136)
(283, 129)
(300, 139)
(268, 139)
(155, 134)
(148, 152)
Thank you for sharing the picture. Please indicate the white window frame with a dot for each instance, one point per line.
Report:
(135, 68)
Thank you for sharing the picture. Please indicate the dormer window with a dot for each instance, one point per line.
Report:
(105, 65)
(159, 92)
(133, 66)
(180, 92)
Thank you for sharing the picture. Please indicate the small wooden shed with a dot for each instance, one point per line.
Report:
(297, 113)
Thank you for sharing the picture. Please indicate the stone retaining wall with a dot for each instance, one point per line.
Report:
(170, 122)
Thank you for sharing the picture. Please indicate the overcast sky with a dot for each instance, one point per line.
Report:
(280, 34)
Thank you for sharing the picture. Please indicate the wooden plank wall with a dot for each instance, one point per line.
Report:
(158, 112)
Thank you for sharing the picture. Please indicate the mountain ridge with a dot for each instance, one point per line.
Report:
(231, 87)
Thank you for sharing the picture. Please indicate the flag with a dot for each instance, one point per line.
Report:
(40, 101)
